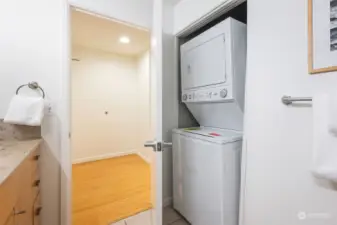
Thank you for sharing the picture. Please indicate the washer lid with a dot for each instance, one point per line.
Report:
(221, 136)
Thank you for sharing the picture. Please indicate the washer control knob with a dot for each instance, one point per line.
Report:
(223, 93)
(185, 97)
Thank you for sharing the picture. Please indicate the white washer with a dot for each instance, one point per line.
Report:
(206, 175)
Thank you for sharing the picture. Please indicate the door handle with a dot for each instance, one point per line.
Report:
(37, 183)
(157, 146)
(20, 212)
(154, 145)
(150, 144)
(166, 144)
(38, 211)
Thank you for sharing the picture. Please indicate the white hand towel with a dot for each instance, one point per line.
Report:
(324, 142)
(24, 110)
(332, 123)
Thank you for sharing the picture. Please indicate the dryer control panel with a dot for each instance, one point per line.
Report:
(214, 94)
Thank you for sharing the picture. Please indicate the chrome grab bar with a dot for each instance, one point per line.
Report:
(288, 100)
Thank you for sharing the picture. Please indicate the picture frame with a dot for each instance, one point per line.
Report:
(322, 36)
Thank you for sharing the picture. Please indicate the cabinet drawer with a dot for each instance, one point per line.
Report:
(35, 169)
(24, 208)
(37, 210)
(35, 175)
(34, 158)
(36, 187)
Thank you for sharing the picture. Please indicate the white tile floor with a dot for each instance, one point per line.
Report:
(170, 217)
(143, 218)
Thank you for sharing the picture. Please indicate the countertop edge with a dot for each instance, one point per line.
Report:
(25, 152)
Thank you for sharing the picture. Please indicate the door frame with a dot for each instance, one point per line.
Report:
(66, 157)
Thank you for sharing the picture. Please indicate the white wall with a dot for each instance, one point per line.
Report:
(33, 45)
(119, 85)
(196, 9)
(189, 13)
(279, 138)
(131, 11)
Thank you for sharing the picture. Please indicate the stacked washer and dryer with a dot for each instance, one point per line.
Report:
(207, 159)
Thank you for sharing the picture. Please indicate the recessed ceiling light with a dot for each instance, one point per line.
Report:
(124, 40)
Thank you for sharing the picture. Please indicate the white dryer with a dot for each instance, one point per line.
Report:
(213, 71)
(206, 181)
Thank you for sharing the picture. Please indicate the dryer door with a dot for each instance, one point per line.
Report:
(205, 64)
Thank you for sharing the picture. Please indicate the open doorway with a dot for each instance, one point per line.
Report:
(111, 118)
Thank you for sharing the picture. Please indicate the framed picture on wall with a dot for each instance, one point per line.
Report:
(322, 36)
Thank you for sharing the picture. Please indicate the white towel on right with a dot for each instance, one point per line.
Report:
(324, 141)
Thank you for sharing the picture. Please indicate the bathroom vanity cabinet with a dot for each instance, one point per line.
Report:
(20, 184)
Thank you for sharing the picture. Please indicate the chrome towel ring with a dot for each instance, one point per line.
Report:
(32, 85)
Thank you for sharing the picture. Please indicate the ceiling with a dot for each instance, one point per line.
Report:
(103, 34)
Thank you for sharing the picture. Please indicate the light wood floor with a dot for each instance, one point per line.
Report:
(109, 190)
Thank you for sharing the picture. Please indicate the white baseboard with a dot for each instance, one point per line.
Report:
(168, 201)
(146, 159)
(104, 156)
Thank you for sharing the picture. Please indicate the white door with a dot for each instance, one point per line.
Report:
(164, 93)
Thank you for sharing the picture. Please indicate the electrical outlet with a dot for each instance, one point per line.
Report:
(48, 109)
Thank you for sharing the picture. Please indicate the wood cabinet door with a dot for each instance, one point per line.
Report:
(8, 197)
(10, 220)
